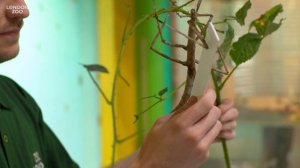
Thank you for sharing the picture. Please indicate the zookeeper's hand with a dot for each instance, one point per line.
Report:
(228, 120)
(182, 139)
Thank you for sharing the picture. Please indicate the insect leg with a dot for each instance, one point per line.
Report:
(226, 72)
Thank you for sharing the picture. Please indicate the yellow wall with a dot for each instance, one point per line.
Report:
(112, 16)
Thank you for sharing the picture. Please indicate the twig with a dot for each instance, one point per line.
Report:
(137, 116)
(115, 80)
(217, 88)
(184, 35)
(161, 99)
(225, 20)
(99, 88)
(119, 141)
(162, 54)
(147, 97)
(228, 76)
(159, 12)
(175, 90)
(124, 79)
(218, 102)
(125, 38)
(226, 154)
(191, 71)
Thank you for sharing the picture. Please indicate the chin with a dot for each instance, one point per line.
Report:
(9, 53)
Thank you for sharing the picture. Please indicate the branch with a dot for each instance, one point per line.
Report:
(148, 97)
(115, 81)
(225, 20)
(159, 12)
(227, 77)
(174, 91)
(126, 36)
(119, 141)
(99, 88)
(161, 99)
(217, 88)
(137, 116)
(226, 154)
(124, 80)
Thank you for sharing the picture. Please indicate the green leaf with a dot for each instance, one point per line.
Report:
(245, 48)
(272, 27)
(96, 68)
(242, 13)
(264, 25)
(163, 91)
(273, 12)
(229, 35)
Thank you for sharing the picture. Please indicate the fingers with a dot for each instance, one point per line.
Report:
(228, 135)
(192, 100)
(199, 109)
(208, 122)
(228, 119)
(226, 105)
(211, 135)
(229, 126)
(231, 114)
(228, 131)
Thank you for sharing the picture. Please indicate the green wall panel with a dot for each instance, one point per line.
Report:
(154, 72)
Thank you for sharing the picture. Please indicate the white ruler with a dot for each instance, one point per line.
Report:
(206, 61)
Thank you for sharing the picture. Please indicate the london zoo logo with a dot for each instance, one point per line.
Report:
(16, 9)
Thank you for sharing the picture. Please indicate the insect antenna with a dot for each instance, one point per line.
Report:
(198, 5)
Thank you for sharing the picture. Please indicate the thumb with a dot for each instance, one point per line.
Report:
(192, 100)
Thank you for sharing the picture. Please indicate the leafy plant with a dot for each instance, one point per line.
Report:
(246, 46)
(240, 51)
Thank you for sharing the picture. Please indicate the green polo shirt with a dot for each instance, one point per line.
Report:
(26, 141)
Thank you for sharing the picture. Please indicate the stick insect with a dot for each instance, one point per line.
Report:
(196, 36)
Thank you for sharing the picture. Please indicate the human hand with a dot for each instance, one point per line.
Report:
(228, 120)
(182, 139)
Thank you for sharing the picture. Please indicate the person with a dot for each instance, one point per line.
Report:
(26, 141)
(181, 139)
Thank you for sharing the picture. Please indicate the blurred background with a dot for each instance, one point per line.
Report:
(61, 35)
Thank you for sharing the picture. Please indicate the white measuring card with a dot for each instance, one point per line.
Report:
(206, 61)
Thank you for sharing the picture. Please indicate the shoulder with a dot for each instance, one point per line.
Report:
(8, 85)
(5, 79)
(17, 97)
